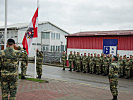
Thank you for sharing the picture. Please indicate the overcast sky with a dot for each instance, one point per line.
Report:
(73, 15)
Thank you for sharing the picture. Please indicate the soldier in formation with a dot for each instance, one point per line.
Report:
(39, 62)
(64, 57)
(100, 64)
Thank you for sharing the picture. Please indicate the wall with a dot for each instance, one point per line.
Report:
(95, 44)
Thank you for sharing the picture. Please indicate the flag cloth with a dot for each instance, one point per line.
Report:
(31, 32)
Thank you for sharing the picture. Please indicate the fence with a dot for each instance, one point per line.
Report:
(52, 57)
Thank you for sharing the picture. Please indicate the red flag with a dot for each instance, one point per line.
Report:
(31, 32)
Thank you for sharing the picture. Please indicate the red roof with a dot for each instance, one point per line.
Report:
(102, 33)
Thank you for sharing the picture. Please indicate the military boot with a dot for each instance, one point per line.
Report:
(39, 77)
(23, 77)
(114, 98)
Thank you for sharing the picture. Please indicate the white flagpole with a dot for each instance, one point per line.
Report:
(5, 24)
(36, 43)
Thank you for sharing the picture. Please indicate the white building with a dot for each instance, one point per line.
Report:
(51, 38)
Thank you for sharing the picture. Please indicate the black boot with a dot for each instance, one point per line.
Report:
(23, 77)
(114, 98)
(63, 69)
(70, 70)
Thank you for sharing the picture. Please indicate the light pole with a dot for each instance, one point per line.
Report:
(5, 24)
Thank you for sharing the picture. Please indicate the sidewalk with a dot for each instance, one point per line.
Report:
(60, 90)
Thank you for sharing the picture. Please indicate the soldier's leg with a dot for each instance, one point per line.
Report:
(90, 68)
(128, 75)
(83, 68)
(25, 69)
(99, 69)
(63, 65)
(70, 65)
(37, 69)
(13, 90)
(93, 68)
(78, 67)
(86, 68)
(96, 69)
(5, 90)
(113, 88)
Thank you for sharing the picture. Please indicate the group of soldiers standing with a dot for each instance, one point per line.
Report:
(98, 64)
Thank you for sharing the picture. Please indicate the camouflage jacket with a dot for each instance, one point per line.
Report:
(121, 62)
(39, 58)
(85, 59)
(105, 62)
(98, 61)
(74, 57)
(128, 64)
(113, 71)
(9, 62)
(91, 61)
(24, 56)
(78, 59)
(64, 57)
(70, 57)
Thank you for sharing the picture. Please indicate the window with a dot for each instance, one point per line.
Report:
(45, 35)
(57, 35)
(45, 48)
(53, 48)
(52, 35)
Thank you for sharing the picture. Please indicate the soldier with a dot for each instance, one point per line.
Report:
(9, 71)
(102, 57)
(105, 63)
(118, 56)
(128, 65)
(121, 63)
(74, 61)
(78, 62)
(85, 62)
(94, 61)
(70, 59)
(24, 63)
(64, 57)
(131, 60)
(91, 64)
(88, 62)
(124, 61)
(113, 77)
(81, 63)
(98, 64)
(39, 62)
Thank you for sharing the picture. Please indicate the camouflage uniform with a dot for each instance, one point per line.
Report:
(39, 62)
(24, 63)
(131, 60)
(121, 63)
(105, 66)
(70, 59)
(85, 62)
(88, 63)
(78, 63)
(91, 65)
(9, 73)
(81, 63)
(98, 65)
(74, 62)
(128, 65)
(64, 57)
(113, 78)
(102, 57)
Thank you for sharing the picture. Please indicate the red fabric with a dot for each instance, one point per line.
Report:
(34, 22)
(25, 44)
(124, 42)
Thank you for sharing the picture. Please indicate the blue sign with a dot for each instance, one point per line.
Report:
(110, 46)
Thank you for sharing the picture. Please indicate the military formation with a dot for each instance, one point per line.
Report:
(98, 63)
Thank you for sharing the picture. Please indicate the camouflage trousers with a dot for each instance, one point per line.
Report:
(74, 65)
(92, 68)
(113, 87)
(39, 69)
(9, 86)
(64, 64)
(78, 67)
(121, 71)
(70, 65)
(105, 69)
(85, 67)
(98, 69)
(127, 72)
(23, 69)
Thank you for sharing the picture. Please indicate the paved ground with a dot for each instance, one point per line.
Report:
(59, 89)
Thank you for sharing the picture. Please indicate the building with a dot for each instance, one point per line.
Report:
(107, 42)
(51, 38)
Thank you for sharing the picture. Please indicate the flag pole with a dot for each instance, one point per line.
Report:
(36, 43)
(5, 24)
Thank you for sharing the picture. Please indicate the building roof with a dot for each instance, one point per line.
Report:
(102, 33)
(25, 25)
